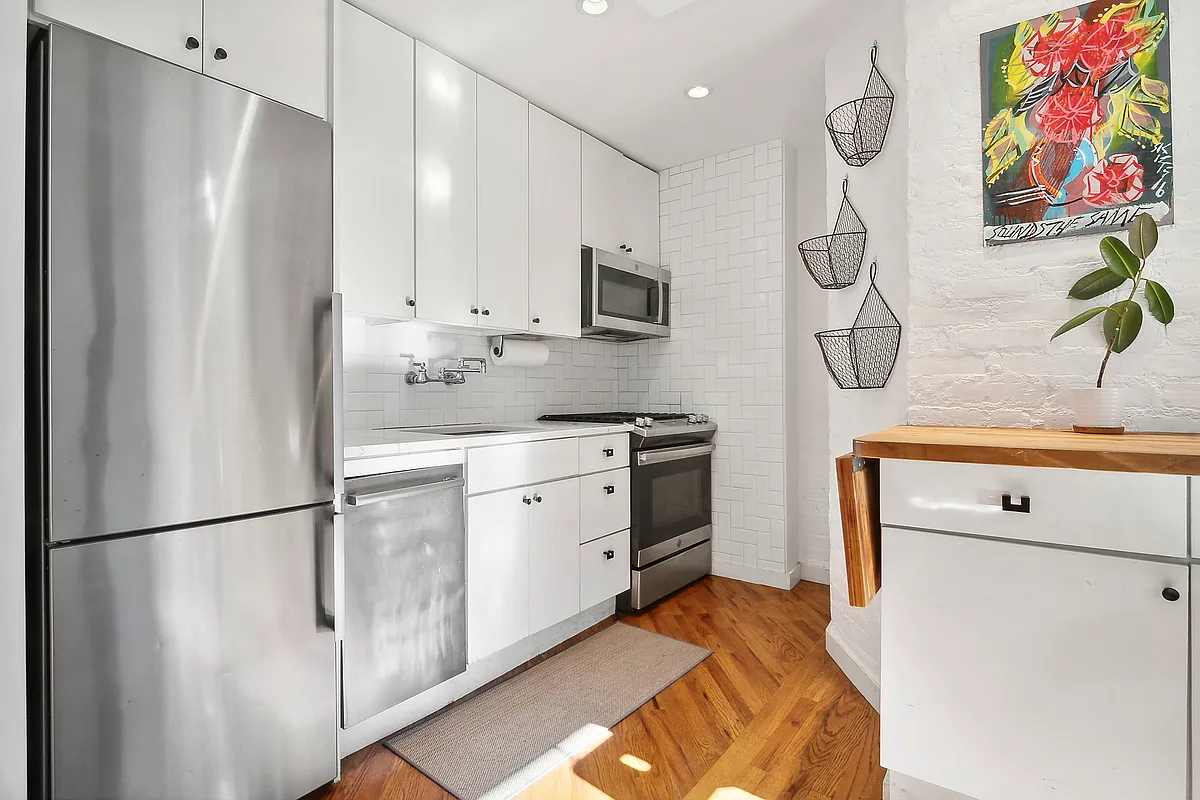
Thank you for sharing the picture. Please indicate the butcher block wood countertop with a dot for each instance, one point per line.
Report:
(1158, 453)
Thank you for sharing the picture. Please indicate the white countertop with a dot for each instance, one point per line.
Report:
(379, 443)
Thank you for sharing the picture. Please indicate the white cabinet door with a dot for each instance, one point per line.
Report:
(555, 195)
(640, 208)
(497, 571)
(553, 554)
(276, 48)
(158, 27)
(446, 189)
(1018, 671)
(603, 569)
(503, 153)
(603, 193)
(373, 165)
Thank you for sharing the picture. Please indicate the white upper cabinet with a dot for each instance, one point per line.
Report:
(373, 187)
(503, 208)
(446, 189)
(276, 48)
(555, 195)
(603, 189)
(161, 28)
(641, 226)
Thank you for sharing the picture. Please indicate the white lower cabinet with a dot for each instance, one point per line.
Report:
(603, 569)
(1014, 670)
(603, 504)
(497, 571)
(553, 554)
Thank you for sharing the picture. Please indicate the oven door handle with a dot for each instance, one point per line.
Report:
(674, 454)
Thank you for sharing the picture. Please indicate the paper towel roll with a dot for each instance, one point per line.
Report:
(517, 353)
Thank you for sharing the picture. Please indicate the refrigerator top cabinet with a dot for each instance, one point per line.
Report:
(188, 280)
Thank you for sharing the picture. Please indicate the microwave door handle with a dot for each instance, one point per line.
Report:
(661, 292)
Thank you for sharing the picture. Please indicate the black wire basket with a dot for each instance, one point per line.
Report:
(863, 357)
(835, 260)
(859, 128)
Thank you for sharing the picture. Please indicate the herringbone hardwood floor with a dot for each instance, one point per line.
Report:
(767, 716)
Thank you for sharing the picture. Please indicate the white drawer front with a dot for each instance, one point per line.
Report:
(600, 453)
(603, 504)
(603, 569)
(508, 465)
(1124, 512)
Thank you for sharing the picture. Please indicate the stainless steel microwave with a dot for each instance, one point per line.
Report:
(624, 300)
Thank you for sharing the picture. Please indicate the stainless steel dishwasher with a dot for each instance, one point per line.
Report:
(405, 587)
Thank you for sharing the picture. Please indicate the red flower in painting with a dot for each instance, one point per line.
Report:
(1120, 179)
(1054, 52)
(1107, 44)
(1069, 114)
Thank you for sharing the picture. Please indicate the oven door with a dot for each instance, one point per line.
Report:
(672, 501)
(627, 295)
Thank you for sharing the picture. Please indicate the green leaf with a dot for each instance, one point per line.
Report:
(1160, 302)
(1095, 284)
(1143, 236)
(1119, 258)
(1075, 322)
(1122, 324)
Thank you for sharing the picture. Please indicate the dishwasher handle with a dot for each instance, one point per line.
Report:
(367, 498)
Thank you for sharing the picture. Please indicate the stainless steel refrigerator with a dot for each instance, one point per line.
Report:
(181, 425)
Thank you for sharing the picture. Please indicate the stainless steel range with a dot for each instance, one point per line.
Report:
(671, 497)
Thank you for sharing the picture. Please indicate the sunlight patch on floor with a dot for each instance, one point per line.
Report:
(633, 762)
(732, 793)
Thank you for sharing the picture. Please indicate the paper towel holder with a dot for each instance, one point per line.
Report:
(497, 346)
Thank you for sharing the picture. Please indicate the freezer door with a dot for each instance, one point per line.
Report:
(190, 296)
(196, 664)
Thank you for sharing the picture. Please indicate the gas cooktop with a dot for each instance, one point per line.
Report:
(648, 424)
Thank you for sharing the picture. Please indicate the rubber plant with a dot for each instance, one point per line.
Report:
(1123, 263)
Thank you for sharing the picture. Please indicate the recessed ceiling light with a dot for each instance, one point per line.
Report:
(593, 7)
(696, 92)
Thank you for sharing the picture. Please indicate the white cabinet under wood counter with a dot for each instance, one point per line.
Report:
(276, 48)
(373, 183)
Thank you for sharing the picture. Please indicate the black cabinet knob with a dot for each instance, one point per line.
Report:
(474, 310)
(487, 312)
(219, 54)
(410, 302)
(608, 452)
(192, 43)
(610, 489)
(537, 320)
(537, 498)
(1170, 594)
(526, 501)
(609, 555)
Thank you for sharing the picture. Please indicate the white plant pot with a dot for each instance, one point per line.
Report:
(1100, 410)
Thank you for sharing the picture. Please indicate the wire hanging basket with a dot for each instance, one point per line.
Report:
(859, 128)
(835, 260)
(863, 357)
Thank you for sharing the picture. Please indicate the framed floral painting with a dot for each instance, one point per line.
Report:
(1077, 121)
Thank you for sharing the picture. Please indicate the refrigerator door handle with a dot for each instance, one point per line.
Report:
(339, 433)
(324, 567)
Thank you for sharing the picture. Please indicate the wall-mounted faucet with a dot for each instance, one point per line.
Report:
(455, 376)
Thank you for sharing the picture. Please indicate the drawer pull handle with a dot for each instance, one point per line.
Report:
(1170, 594)
(609, 555)
(609, 452)
(526, 501)
(610, 489)
(1006, 503)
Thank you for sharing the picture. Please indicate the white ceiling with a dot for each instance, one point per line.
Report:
(623, 76)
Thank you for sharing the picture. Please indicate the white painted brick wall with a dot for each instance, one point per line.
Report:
(980, 318)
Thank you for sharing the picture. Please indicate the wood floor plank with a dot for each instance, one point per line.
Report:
(768, 716)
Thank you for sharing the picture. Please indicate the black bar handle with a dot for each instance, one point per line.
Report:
(609, 452)
(609, 555)
(610, 489)
(1007, 504)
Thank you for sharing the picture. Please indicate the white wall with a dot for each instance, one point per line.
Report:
(981, 318)
(879, 193)
(13, 15)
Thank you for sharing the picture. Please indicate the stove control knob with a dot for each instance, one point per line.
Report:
(648, 422)
(692, 419)
(703, 419)
(640, 422)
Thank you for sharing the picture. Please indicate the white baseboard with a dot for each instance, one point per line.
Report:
(766, 577)
(851, 662)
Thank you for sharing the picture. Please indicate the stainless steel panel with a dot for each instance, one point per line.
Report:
(663, 549)
(654, 583)
(406, 614)
(193, 664)
(602, 326)
(668, 454)
(190, 296)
